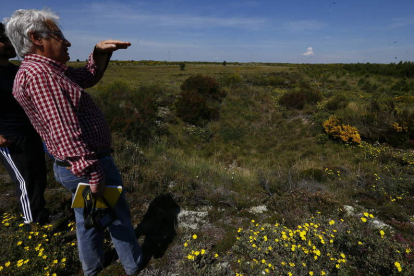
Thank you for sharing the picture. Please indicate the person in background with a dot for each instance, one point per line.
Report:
(72, 126)
(21, 149)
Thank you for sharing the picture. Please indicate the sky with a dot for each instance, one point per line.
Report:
(276, 31)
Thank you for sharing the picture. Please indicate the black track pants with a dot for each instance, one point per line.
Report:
(24, 160)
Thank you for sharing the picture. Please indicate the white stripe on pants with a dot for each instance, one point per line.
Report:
(24, 198)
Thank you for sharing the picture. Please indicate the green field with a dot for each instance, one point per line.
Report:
(248, 169)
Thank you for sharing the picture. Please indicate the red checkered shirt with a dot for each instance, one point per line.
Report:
(64, 115)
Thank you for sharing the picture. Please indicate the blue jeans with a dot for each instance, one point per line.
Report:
(90, 242)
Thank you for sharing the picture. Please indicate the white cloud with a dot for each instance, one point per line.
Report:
(309, 52)
(401, 22)
(305, 25)
(127, 14)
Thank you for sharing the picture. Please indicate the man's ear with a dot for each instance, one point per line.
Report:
(35, 38)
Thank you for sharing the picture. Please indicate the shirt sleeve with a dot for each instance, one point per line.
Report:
(58, 111)
(89, 75)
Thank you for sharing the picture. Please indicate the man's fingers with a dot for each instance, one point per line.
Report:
(112, 45)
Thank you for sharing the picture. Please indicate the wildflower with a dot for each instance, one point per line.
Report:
(55, 261)
(194, 236)
(364, 219)
(185, 244)
(63, 260)
(19, 263)
(323, 272)
(263, 261)
(398, 265)
(311, 273)
(19, 242)
(408, 250)
(382, 234)
(216, 255)
(332, 222)
(7, 264)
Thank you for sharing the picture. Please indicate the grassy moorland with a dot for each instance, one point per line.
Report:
(248, 169)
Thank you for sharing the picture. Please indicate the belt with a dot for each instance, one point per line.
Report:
(99, 155)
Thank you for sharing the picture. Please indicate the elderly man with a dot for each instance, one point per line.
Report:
(71, 124)
(21, 150)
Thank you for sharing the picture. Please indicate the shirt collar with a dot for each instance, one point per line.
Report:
(38, 58)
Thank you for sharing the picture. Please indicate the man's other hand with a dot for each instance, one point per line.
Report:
(4, 142)
(110, 45)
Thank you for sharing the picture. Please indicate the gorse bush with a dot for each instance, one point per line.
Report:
(130, 110)
(346, 133)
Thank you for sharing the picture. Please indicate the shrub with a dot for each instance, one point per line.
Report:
(132, 111)
(232, 80)
(182, 66)
(346, 133)
(206, 86)
(337, 102)
(295, 99)
(192, 108)
(298, 99)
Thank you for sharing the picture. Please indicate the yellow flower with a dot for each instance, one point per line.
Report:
(55, 261)
(194, 236)
(398, 265)
(332, 222)
(7, 264)
(408, 250)
(190, 257)
(54, 274)
(263, 261)
(311, 273)
(323, 272)
(19, 263)
(185, 244)
(63, 260)
(366, 214)
(364, 219)
(216, 255)
(19, 242)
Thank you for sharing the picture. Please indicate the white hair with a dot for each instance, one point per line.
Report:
(22, 22)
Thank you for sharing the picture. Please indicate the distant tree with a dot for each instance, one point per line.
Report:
(182, 66)
(224, 63)
(77, 60)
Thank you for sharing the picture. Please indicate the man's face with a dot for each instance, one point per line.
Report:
(6, 48)
(55, 44)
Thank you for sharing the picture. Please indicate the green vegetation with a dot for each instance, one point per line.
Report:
(273, 155)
